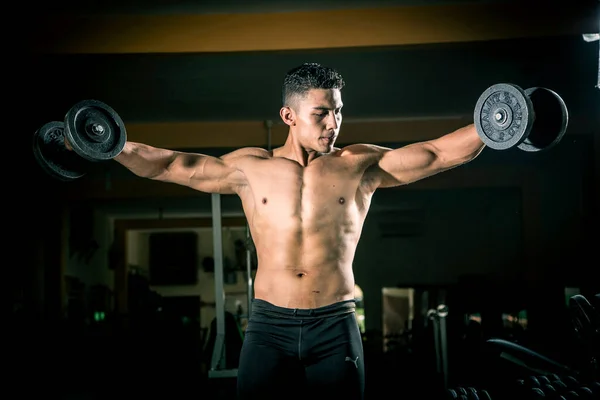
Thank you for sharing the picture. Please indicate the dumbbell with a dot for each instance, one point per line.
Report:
(468, 393)
(94, 131)
(533, 119)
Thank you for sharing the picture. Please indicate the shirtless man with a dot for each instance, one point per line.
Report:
(305, 203)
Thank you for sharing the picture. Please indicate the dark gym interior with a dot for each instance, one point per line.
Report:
(477, 281)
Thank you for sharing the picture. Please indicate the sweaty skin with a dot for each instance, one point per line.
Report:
(307, 200)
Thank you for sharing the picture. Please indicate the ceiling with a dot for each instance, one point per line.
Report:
(412, 79)
(163, 7)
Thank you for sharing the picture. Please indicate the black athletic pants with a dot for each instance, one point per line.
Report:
(301, 353)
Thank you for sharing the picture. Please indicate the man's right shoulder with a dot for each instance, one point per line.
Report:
(247, 153)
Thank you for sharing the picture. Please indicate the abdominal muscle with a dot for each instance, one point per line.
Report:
(304, 268)
(290, 287)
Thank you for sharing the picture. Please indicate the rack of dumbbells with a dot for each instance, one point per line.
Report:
(550, 386)
(540, 377)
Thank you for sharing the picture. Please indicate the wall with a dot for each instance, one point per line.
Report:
(88, 250)
(448, 236)
(138, 256)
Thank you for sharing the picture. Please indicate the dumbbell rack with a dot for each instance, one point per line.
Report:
(539, 376)
(546, 386)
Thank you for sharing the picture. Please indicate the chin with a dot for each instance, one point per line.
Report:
(326, 149)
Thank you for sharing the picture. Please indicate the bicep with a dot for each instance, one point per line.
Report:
(421, 160)
(407, 164)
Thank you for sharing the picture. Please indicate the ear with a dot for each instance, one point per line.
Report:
(287, 116)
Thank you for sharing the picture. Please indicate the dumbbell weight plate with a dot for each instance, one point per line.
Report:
(95, 131)
(503, 116)
(551, 118)
(51, 154)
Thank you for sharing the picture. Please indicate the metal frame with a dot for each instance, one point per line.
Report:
(218, 356)
(217, 369)
(438, 317)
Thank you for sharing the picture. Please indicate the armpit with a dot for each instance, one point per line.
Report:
(372, 178)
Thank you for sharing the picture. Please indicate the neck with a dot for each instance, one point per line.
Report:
(293, 150)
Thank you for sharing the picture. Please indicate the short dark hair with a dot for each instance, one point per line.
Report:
(299, 80)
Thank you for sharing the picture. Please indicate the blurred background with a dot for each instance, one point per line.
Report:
(113, 288)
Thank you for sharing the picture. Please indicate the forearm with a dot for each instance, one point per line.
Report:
(145, 161)
(458, 147)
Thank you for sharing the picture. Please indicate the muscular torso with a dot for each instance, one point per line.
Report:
(305, 223)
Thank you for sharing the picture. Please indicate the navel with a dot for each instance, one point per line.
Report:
(264, 200)
(341, 200)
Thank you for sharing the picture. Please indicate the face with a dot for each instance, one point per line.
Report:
(315, 119)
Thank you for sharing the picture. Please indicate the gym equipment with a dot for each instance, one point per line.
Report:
(586, 319)
(233, 340)
(533, 119)
(94, 131)
(51, 154)
(219, 367)
(560, 387)
(438, 317)
(586, 325)
(527, 360)
(538, 376)
(469, 392)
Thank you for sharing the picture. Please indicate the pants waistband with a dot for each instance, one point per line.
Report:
(260, 306)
